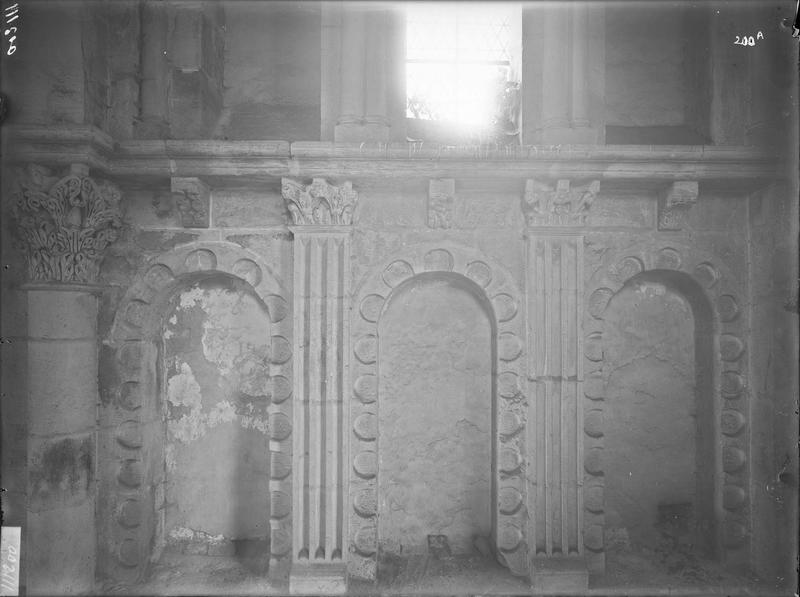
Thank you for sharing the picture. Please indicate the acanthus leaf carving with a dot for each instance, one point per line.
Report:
(562, 205)
(192, 200)
(674, 204)
(319, 203)
(64, 224)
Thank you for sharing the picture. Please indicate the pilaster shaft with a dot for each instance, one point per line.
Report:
(554, 266)
(322, 215)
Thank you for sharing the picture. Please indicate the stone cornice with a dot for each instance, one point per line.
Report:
(229, 161)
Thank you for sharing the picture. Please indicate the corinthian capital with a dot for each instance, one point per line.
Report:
(319, 203)
(64, 224)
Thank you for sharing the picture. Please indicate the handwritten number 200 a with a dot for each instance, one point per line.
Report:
(748, 40)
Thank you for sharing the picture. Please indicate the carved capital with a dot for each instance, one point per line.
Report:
(561, 205)
(64, 224)
(674, 204)
(441, 197)
(319, 203)
(192, 199)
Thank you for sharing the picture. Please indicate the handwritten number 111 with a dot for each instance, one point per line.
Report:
(11, 14)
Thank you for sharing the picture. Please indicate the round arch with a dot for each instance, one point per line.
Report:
(714, 295)
(497, 289)
(131, 429)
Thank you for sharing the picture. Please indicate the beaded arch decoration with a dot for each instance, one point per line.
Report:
(722, 292)
(509, 403)
(132, 425)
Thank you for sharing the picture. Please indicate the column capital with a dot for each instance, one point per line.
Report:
(319, 204)
(562, 205)
(64, 223)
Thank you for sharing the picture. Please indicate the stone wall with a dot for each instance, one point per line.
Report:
(266, 360)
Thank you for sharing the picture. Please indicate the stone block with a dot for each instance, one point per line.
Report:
(60, 551)
(318, 580)
(559, 575)
(61, 314)
(62, 386)
(244, 208)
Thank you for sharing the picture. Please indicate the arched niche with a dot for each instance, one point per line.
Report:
(660, 443)
(134, 405)
(216, 391)
(474, 278)
(720, 395)
(436, 357)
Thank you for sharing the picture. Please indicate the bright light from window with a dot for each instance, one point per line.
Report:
(458, 58)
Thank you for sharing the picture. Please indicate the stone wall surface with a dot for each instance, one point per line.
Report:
(276, 98)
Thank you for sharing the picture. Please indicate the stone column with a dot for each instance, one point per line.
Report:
(195, 89)
(64, 225)
(554, 245)
(322, 217)
(154, 84)
(563, 73)
(367, 64)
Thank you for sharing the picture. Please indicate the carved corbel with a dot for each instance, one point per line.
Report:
(192, 198)
(441, 198)
(64, 224)
(319, 203)
(562, 205)
(674, 204)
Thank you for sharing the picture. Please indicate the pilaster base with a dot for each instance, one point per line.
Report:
(318, 579)
(559, 576)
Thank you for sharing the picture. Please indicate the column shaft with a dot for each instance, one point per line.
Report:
(580, 74)
(376, 75)
(60, 539)
(154, 86)
(351, 106)
(555, 75)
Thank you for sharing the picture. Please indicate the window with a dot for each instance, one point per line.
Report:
(462, 62)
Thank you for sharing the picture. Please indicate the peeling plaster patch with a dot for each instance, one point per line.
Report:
(188, 421)
(189, 298)
(222, 412)
(184, 391)
(181, 534)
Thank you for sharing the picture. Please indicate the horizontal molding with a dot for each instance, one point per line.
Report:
(242, 161)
